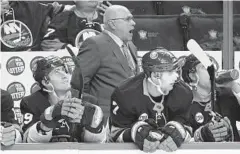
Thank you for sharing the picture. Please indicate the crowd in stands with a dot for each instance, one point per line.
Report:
(107, 98)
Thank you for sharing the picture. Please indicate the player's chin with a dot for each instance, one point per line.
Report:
(169, 89)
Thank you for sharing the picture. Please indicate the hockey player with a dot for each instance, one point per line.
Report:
(201, 117)
(53, 115)
(72, 27)
(149, 109)
(24, 23)
(10, 131)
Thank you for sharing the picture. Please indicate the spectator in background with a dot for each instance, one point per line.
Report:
(10, 131)
(206, 127)
(236, 41)
(24, 23)
(68, 27)
(109, 58)
(53, 115)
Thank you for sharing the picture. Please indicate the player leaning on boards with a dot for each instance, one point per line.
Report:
(150, 109)
(10, 131)
(53, 115)
(206, 127)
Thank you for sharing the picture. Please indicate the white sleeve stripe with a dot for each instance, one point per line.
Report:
(135, 128)
(120, 137)
(34, 137)
(115, 131)
(18, 136)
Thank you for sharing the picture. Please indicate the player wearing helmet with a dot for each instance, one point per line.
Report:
(53, 115)
(149, 109)
(205, 126)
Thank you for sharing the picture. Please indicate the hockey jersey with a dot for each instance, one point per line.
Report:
(7, 114)
(65, 27)
(131, 103)
(34, 105)
(23, 26)
(226, 105)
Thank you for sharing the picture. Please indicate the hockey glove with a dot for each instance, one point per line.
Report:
(7, 134)
(69, 109)
(214, 131)
(145, 136)
(176, 135)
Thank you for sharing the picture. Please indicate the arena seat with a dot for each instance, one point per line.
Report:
(175, 7)
(200, 25)
(153, 31)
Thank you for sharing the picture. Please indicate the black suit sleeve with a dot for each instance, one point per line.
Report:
(89, 60)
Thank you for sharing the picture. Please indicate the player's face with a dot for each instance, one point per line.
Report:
(168, 80)
(87, 4)
(204, 78)
(124, 25)
(59, 79)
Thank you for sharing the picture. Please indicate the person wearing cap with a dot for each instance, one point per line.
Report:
(10, 131)
(150, 108)
(210, 125)
(53, 114)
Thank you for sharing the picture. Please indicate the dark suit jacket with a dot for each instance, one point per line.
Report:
(103, 67)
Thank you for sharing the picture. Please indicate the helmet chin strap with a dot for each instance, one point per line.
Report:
(195, 84)
(158, 87)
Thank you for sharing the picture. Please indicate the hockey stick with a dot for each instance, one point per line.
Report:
(198, 52)
(77, 65)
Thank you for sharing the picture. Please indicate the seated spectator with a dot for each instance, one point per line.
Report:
(68, 27)
(53, 115)
(24, 23)
(208, 125)
(150, 108)
(10, 131)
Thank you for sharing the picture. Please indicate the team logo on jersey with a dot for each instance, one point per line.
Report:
(33, 62)
(83, 35)
(35, 87)
(142, 34)
(63, 124)
(69, 61)
(143, 117)
(17, 90)
(15, 33)
(154, 55)
(15, 65)
(208, 107)
(199, 117)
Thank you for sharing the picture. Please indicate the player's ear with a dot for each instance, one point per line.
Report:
(155, 76)
(45, 82)
(193, 77)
